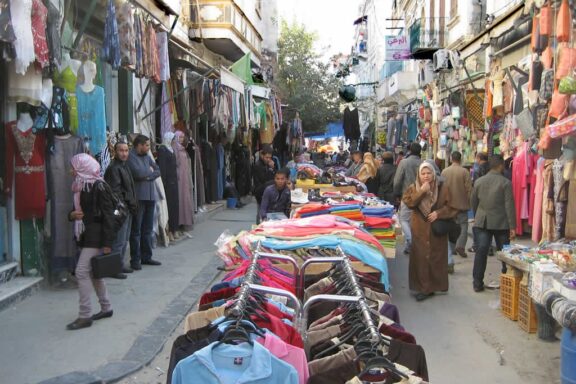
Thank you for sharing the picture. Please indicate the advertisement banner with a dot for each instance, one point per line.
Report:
(397, 48)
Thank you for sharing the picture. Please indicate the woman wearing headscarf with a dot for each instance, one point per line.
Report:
(429, 200)
(367, 173)
(184, 167)
(94, 229)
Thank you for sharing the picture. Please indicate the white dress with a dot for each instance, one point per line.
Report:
(21, 11)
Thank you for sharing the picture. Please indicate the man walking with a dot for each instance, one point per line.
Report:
(144, 171)
(458, 181)
(119, 177)
(493, 202)
(404, 177)
(263, 176)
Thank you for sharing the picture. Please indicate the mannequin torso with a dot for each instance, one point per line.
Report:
(25, 122)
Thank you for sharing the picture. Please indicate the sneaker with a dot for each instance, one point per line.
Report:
(151, 262)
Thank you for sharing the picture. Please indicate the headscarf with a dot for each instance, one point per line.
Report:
(87, 173)
(368, 168)
(168, 139)
(176, 143)
(428, 201)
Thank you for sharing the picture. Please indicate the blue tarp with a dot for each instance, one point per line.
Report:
(335, 129)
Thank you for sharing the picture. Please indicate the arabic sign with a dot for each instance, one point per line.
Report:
(397, 48)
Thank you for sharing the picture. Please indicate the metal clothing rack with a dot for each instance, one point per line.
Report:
(358, 297)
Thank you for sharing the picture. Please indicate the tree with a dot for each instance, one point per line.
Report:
(306, 83)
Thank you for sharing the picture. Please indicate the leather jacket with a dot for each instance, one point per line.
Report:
(119, 177)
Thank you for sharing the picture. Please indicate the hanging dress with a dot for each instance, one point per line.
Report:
(111, 46)
(186, 209)
(92, 118)
(126, 34)
(53, 34)
(39, 16)
(169, 174)
(6, 28)
(25, 166)
(67, 80)
(24, 45)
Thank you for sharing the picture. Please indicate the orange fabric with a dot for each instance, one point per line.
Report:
(547, 58)
(559, 105)
(566, 61)
(564, 24)
(534, 38)
(546, 20)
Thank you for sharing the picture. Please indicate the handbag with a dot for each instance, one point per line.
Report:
(443, 227)
(108, 265)
(546, 85)
(525, 122)
(564, 22)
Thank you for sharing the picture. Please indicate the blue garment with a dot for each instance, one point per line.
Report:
(362, 252)
(141, 232)
(92, 118)
(235, 283)
(281, 306)
(226, 363)
(220, 172)
(412, 129)
(111, 47)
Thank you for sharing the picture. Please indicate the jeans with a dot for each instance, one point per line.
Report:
(484, 238)
(122, 239)
(141, 232)
(405, 216)
(86, 282)
(462, 220)
(451, 247)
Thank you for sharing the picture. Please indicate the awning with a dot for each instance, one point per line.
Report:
(229, 79)
(335, 129)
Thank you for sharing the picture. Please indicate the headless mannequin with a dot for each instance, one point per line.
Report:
(89, 70)
(47, 92)
(24, 122)
(68, 62)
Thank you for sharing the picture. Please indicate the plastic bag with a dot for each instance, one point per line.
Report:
(567, 85)
(223, 244)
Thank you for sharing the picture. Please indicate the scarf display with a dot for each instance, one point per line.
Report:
(428, 201)
(87, 173)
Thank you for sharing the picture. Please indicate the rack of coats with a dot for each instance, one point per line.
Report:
(353, 333)
(239, 334)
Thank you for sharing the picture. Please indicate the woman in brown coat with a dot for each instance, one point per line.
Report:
(429, 200)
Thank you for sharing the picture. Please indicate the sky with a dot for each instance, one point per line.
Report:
(332, 20)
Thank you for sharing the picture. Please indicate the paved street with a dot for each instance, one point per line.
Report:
(465, 337)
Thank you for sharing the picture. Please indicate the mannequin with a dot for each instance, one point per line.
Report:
(68, 62)
(91, 111)
(25, 153)
(168, 172)
(66, 79)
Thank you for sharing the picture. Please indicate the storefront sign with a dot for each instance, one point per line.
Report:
(397, 48)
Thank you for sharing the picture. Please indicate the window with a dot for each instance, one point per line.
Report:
(453, 8)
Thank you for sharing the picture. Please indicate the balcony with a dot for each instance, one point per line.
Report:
(427, 35)
(225, 29)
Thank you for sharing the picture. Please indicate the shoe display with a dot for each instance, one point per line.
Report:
(151, 262)
(120, 276)
(79, 324)
(102, 315)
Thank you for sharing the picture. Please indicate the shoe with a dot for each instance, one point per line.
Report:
(423, 296)
(127, 270)
(151, 262)
(472, 249)
(407, 250)
(461, 252)
(102, 315)
(136, 266)
(478, 288)
(120, 276)
(79, 324)
(450, 269)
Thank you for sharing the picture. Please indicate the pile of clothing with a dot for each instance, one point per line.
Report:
(382, 229)
(350, 210)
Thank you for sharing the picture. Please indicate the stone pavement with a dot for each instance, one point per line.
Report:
(36, 347)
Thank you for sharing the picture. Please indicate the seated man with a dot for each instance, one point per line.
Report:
(276, 197)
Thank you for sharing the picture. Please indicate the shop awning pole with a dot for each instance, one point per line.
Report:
(84, 24)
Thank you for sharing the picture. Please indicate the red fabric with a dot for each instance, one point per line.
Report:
(224, 293)
(280, 329)
(29, 188)
(519, 185)
(397, 334)
(376, 222)
(273, 310)
(39, 16)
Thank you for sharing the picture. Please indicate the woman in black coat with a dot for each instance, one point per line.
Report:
(94, 228)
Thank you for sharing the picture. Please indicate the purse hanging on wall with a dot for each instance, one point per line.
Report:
(564, 22)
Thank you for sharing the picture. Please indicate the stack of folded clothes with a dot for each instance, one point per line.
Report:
(349, 211)
(382, 229)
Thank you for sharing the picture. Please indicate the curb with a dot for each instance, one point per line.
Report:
(151, 341)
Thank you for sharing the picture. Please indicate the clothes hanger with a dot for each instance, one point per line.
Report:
(235, 334)
(382, 363)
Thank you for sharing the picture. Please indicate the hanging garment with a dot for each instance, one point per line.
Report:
(39, 15)
(138, 45)
(538, 202)
(21, 11)
(220, 171)
(153, 52)
(6, 27)
(63, 250)
(559, 199)
(351, 125)
(548, 216)
(164, 69)
(126, 35)
(111, 46)
(25, 88)
(92, 118)
(53, 34)
(200, 187)
(520, 186)
(169, 174)
(25, 165)
(185, 206)
(67, 80)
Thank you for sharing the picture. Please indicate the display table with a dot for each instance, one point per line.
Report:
(517, 264)
(325, 188)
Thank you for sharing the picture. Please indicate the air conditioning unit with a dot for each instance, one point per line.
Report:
(441, 60)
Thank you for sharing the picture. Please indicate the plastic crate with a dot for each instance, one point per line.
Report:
(509, 293)
(527, 320)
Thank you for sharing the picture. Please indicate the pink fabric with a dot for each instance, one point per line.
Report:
(87, 173)
(533, 160)
(288, 353)
(538, 201)
(520, 187)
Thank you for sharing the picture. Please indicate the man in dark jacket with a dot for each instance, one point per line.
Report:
(263, 175)
(493, 202)
(276, 197)
(144, 171)
(119, 177)
(385, 178)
